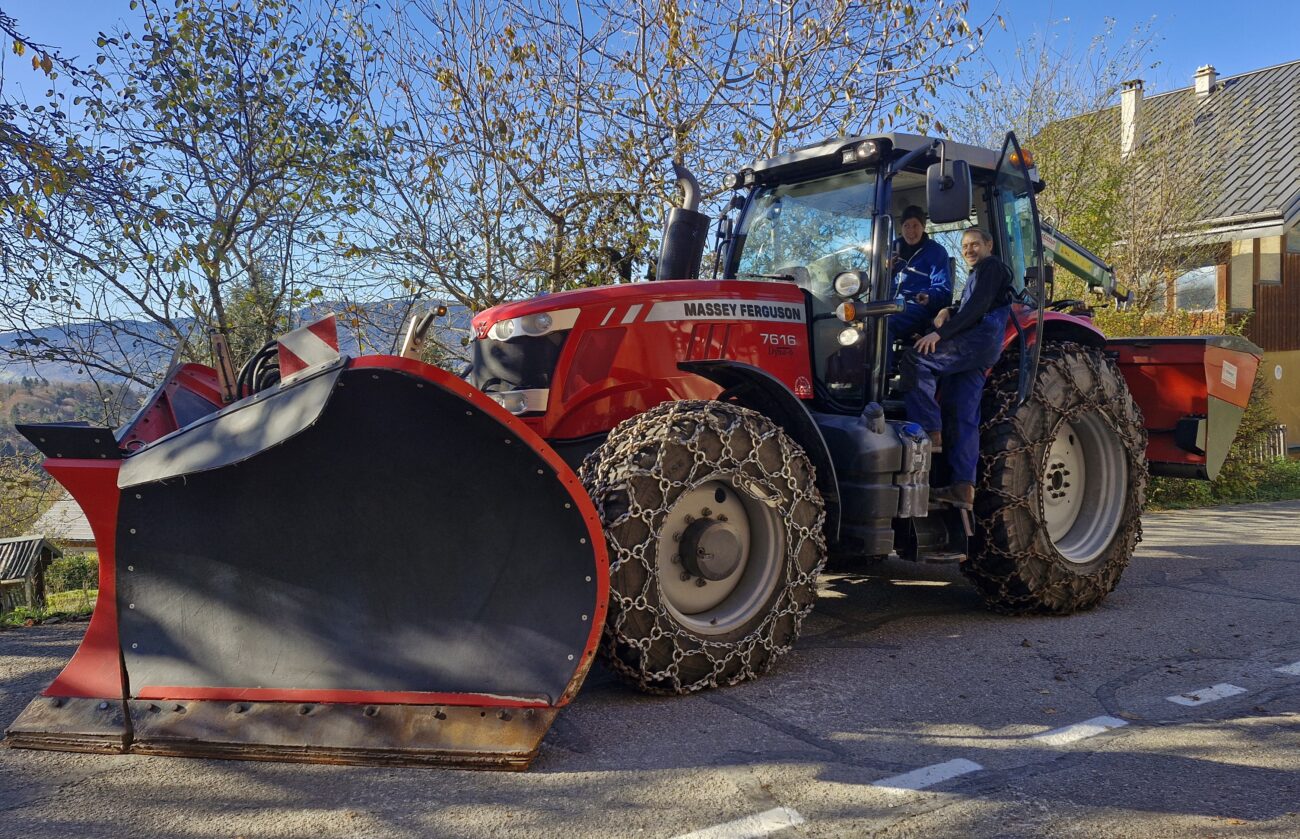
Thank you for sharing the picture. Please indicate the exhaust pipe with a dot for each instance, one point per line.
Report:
(686, 233)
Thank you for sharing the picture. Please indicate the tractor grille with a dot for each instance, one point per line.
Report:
(522, 363)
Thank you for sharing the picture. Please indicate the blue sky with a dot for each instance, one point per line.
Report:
(1233, 37)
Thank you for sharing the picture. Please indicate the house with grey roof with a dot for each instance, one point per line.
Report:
(66, 524)
(23, 560)
(1252, 122)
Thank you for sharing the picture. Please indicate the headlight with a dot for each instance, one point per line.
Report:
(538, 323)
(729, 180)
(848, 284)
(850, 336)
(529, 401)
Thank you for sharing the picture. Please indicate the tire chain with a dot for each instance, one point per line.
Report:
(639, 451)
(1000, 394)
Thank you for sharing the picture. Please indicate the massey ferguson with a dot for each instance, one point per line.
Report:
(369, 560)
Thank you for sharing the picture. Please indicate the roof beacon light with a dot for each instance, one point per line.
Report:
(1025, 155)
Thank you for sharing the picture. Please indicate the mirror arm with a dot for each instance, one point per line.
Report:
(900, 164)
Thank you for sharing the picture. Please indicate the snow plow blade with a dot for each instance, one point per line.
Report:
(372, 563)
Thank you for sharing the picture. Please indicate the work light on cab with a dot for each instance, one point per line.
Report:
(849, 284)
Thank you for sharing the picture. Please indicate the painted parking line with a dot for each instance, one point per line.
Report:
(1211, 694)
(762, 824)
(1289, 669)
(927, 776)
(1079, 731)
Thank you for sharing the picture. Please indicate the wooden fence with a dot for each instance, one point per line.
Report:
(1272, 447)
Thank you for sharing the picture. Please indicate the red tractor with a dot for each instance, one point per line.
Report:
(658, 470)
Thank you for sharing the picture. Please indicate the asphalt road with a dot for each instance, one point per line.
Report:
(1172, 710)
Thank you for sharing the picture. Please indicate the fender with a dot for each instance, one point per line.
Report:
(755, 388)
(1057, 326)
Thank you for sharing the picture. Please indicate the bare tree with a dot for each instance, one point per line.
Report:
(224, 138)
(1139, 208)
(528, 143)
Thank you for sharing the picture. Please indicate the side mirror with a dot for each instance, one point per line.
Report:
(948, 191)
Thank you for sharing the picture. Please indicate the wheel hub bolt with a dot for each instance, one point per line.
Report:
(701, 582)
(685, 576)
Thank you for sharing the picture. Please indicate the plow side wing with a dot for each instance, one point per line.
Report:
(374, 563)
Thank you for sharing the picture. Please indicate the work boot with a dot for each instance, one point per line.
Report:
(936, 441)
(960, 495)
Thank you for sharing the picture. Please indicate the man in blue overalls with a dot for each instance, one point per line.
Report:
(954, 358)
(921, 276)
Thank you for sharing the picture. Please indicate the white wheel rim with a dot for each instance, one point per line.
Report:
(720, 606)
(1084, 487)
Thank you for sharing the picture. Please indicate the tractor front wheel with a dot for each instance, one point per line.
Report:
(715, 539)
(1063, 484)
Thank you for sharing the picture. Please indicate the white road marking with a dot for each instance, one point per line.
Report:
(1079, 731)
(1289, 669)
(750, 827)
(928, 776)
(1199, 697)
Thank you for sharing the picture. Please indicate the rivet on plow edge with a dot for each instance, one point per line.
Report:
(568, 506)
(239, 707)
(135, 646)
(371, 711)
(130, 567)
(570, 657)
(584, 617)
(583, 540)
(130, 605)
(589, 579)
(503, 714)
(133, 530)
(305, 709)
(56, 702)
(103, 706)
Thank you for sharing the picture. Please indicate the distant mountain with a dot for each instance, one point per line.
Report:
(147, 347)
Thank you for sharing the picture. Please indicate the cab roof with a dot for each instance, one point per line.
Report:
(828, 155)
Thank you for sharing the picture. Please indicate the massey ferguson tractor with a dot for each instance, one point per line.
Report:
(370, 560)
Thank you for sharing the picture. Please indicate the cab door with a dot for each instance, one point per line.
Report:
(1019, 236)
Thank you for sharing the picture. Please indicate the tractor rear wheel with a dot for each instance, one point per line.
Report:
(1063, 484)
(715, 539)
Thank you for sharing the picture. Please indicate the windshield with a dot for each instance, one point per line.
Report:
(808, 233)
(822, 227)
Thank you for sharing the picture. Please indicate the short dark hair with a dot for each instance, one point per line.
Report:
(977, 231)
(913, 211)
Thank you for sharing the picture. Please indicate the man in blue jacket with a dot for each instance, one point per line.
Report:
(921, 276)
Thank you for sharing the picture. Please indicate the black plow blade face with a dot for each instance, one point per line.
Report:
(372, 564)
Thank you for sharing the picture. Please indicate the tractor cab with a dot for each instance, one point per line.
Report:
(824, 217)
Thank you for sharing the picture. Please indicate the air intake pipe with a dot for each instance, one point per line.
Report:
(686, 233)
